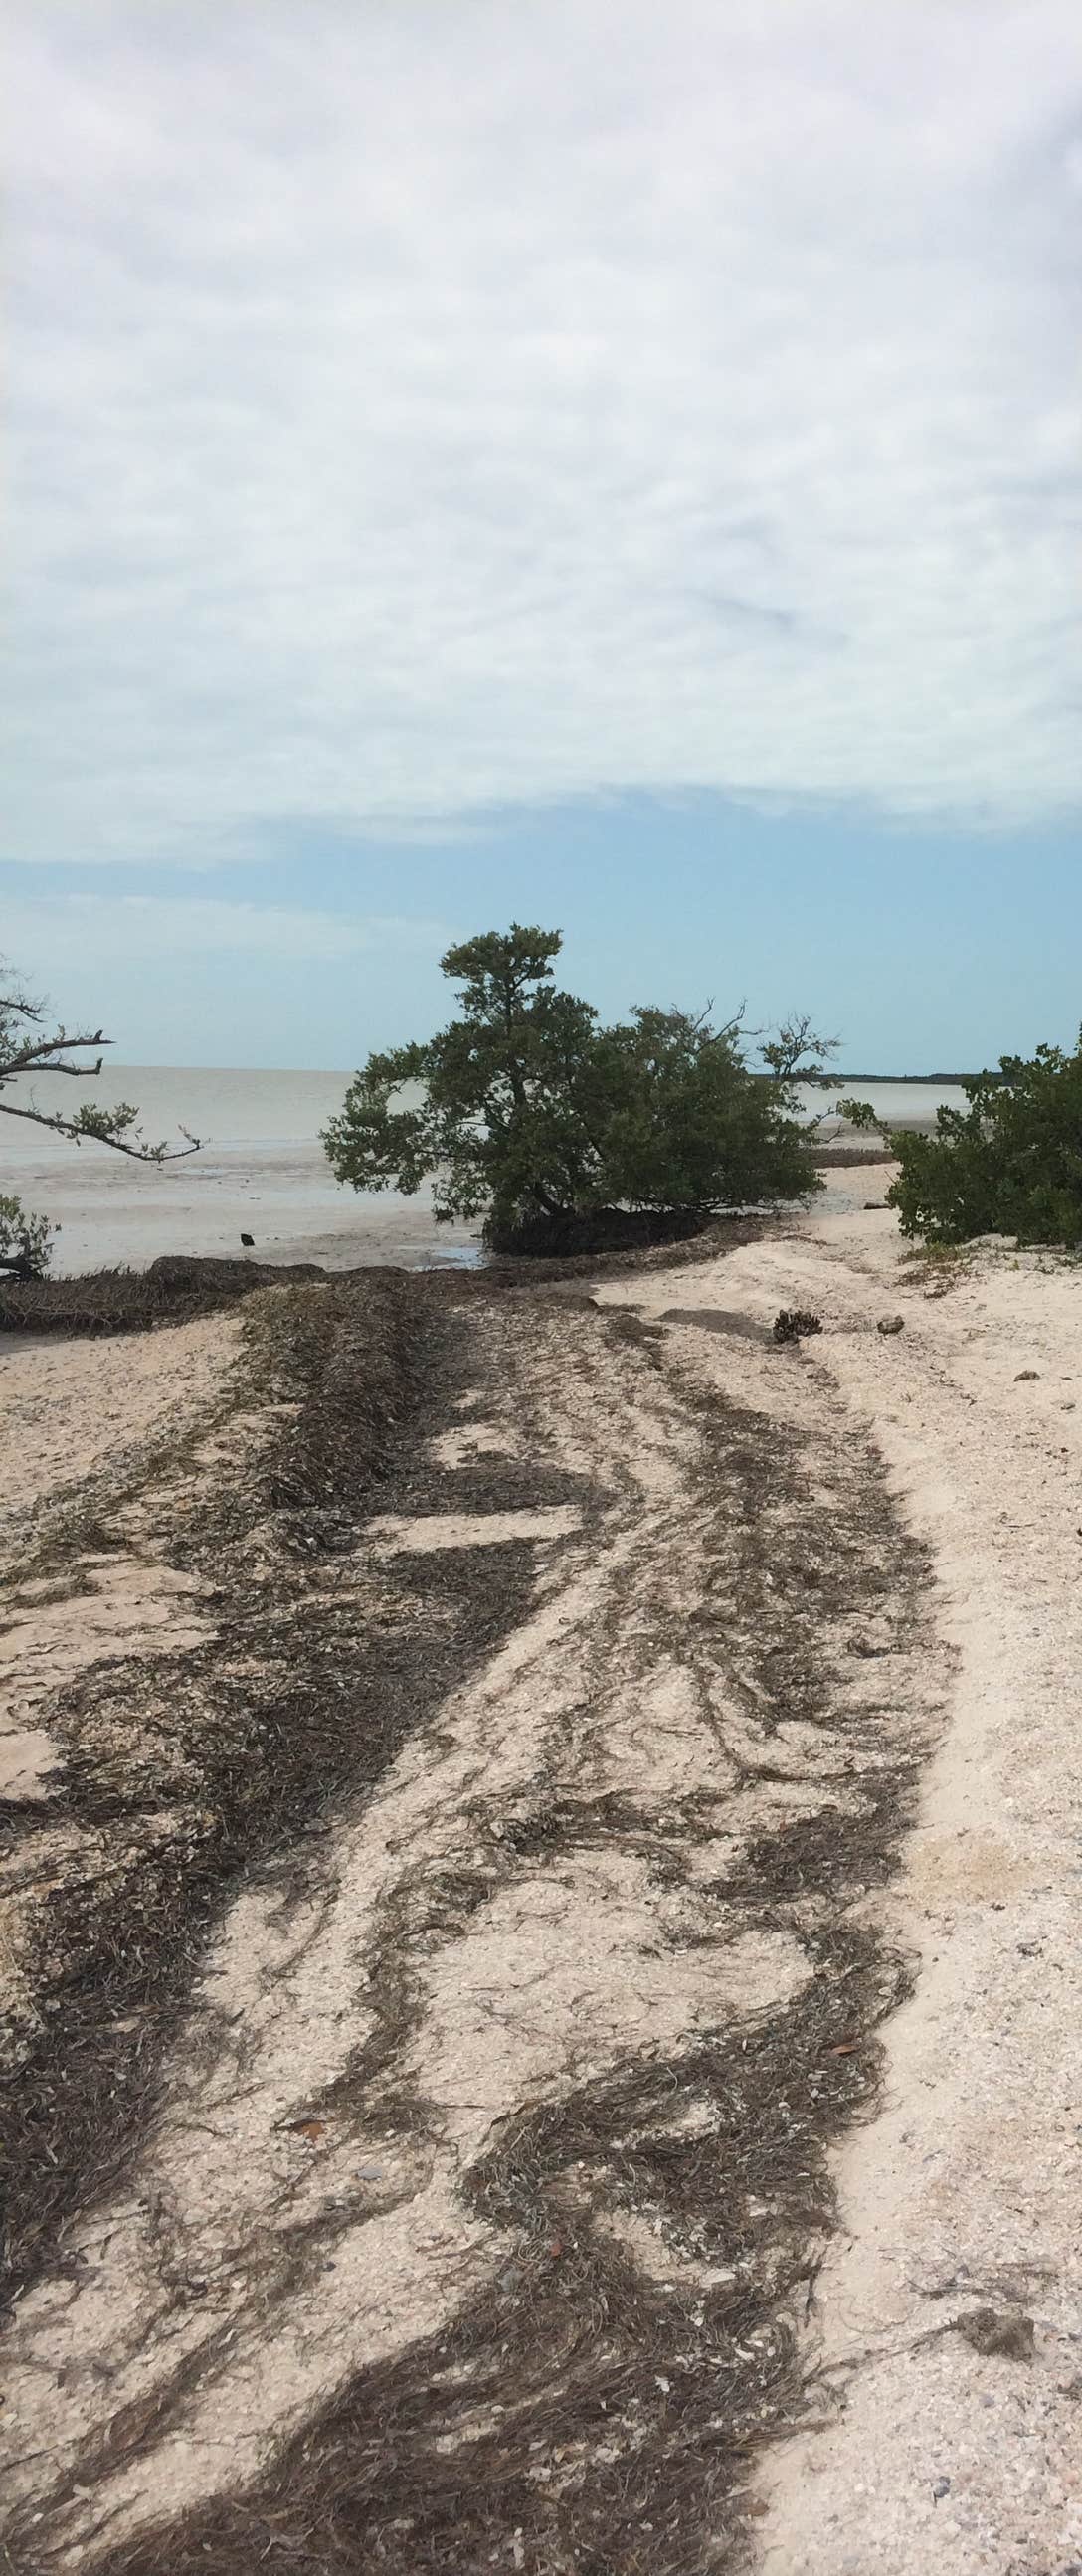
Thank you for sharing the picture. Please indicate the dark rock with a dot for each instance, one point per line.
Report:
(794, 1324)
(999, 2330)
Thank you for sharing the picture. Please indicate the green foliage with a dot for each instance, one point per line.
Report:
(26, 1241)
(502, 1118)
(687, 1125)
(529, 1107)
(1009, 1163)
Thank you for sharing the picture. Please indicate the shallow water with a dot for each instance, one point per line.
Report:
(233, 1109)
(902, 1104)
(227, 1109)
(262, 1172)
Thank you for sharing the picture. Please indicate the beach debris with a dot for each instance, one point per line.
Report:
(891, 1324)
(794, 1324)
(1021, 1375)
(999, 2330)
(248, 1241)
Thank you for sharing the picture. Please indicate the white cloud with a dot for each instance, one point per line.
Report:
(424, 407)
(158, 926)
(84, 930)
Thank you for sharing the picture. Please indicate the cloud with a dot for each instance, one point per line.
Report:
(418, 410)
(79, 930)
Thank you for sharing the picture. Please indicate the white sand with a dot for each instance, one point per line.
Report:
(968, 2186)
(71, 1408)
(965, 2188)
(80, 1422)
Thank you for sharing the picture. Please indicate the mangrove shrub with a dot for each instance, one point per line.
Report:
(1009, 1163)
(527, 1112)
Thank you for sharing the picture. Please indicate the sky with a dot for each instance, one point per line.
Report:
(605, 465)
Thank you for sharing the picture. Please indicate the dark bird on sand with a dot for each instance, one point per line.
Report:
(247, 1240)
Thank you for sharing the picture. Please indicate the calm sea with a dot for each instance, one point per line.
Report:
(230, 1110)
(261, 1175)
(234, 1111)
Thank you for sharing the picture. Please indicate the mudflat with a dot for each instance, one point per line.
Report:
(542, 2016)
(115, 1211)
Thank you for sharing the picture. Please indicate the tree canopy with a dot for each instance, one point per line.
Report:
(1009, 1163)
(528, 1109)
(28, 1048)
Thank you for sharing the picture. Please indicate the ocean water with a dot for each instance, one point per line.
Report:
(261, 1174)
(228, 1110)
(261, 1171)
(902, 1104)
(235, 1111)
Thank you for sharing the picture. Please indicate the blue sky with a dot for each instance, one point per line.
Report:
(613, 466)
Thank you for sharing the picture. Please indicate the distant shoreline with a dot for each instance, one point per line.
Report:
(841, 1081)
(850, 1158)
(942, 1081)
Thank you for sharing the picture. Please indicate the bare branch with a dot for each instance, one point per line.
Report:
(40, 1060)
(17, 1005)
(92, 1135)
(39, 1054)
(28, 1055)
(798, 1053)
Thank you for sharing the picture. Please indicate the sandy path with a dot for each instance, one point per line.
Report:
(966, 2191)
(550, 1906)
(561, 1879)
(80, 1422)
(68, 1408)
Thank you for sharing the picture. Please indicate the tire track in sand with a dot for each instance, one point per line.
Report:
(624, 1862)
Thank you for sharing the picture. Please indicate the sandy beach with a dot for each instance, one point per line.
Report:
(947, 2449)
(653, 2027)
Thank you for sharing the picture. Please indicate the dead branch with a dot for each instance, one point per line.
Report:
(90, 1135)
